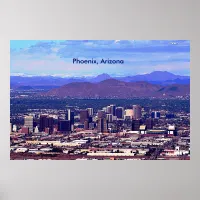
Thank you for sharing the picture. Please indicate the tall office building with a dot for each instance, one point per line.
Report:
(70, 116)
(105, 125)
(155, 115)
(28, 122)
(90, 111)
(83, 116)
(50, 122)
(104, 109)
(89, 119)
(137, 112)
(113, 110)
(46, 122)
(136, 125)
(64, 126)
(128, 114)
(108, 109)
(101, 114)
(109, 117)
(120, 112)
(42, 123)
(149, 123)
(102, 125)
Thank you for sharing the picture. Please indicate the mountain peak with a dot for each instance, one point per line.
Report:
(161, 72)
(104, 75)
(101, 77)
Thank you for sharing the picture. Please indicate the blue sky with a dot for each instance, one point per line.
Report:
(54, 57)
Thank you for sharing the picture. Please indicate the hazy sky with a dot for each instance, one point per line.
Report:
(54, 57)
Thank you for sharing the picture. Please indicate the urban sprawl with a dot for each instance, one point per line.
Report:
(110, 133)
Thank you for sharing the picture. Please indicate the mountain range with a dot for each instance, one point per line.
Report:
(157, 77)
(112, 88)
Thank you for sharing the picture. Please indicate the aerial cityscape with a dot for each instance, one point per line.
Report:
(133, 105)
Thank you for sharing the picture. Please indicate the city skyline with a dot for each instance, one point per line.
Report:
(54, 57)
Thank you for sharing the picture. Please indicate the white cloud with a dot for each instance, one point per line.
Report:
(116, 41)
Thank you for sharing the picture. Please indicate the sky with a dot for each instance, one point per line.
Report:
(54, 57)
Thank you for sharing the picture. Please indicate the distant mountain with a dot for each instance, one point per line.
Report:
(175, 81)
(16, 81)
(113, 88)
(157, 77)
(100, 77)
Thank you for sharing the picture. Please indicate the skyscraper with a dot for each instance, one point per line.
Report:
(128, 114)
(83, 116)
(50, 123)
(102, 125)
(149, 123)
(90, 111)
(70, 116)
(136, 125)
(137, 112)
(89, 119)
(109, 117)
(105, 109)
(108, 109)
(46, 122)
(105, 125)
(28, 122)
(120, 112)
(113, 109)
(42, 123)
(64, 126)
(101, 114)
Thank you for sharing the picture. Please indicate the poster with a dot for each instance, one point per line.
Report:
(100, 100)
